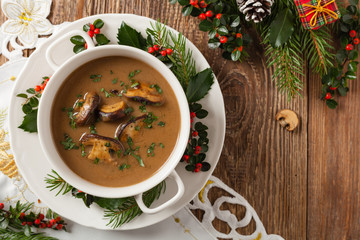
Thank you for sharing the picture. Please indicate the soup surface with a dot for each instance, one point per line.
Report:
(115, 121)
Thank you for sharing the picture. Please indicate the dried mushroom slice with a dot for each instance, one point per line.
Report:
(144, 94)
(129, 129)
(102, 146)
(87, 112)
(112, 112)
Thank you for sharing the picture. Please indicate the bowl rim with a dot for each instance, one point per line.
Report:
(45, 132)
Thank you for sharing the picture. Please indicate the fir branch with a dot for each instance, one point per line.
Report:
(159, 33)
(129, 208)
(55, 181)
(10, 234)
(318, 47)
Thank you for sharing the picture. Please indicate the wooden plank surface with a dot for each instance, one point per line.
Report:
(303, 185)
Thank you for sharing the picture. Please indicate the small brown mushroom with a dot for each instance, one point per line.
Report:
(287, 119)
(87, 111)
(102, 146)
(112, 112)
(128, 129)
(145, 94)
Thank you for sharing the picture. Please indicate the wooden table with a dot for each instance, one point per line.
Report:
(303, 185)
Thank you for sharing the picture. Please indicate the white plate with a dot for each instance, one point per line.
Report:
(34, 167)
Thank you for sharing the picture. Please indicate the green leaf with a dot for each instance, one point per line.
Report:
(236, 22)
(353, 54)
(344, 40)
(342, 90)
(353, 2)
(26, 108)
(98, 23)
(341, 55)
(86, 27)
(351, 9)
(101, 39)
(30, 90)
(77, 40)
(205, 26)
(212, 33)
(235, 55)
(331, 103)
(350, 75)
(200, 127)
(22, 95)
(130, 37)
(109, 203)
(216, 22)
(222, 30)
(205, 166)
(78, 48)
(27, 230)
(29, 124)
(201, 114)
(214, 43)
(352, 66)
(199, 85)
(187, 10)
(347, 18)
(4, 224)
(281, 28)
(34, 102)
(184, 2)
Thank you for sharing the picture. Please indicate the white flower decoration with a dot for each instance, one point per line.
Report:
(27, 20)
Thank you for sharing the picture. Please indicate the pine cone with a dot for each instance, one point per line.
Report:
(255, 10)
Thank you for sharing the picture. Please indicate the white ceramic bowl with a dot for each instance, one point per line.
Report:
(45, 132)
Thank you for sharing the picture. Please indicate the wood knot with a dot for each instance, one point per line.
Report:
(288, 119)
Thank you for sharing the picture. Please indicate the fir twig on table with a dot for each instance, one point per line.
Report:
(10, 234)
(55, 181)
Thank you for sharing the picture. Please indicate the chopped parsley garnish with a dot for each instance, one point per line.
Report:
(161, 124)
(142, 108)
(135, 84)
(124, 166)
(114, 81)
(133, 73)
(70, 113)
(107, 94)
(111, 72)
(68, 143)
(107, 144)
(137, 128)
(128, 110)
(96, 77)
(161, 145)
(79, 103)
(158, 89)
(118, 153)
(150, 150)
(97, 160)
(63, 109)
(79, 96)
(122, 83)
(83, 153)
(131, 151)
(150, 118)
(92, 129)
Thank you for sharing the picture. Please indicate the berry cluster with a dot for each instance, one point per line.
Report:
(354, 41)
(156, 50)
(40, 88)
(40, 221)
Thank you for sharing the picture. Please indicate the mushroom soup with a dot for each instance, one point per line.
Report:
(115, 121)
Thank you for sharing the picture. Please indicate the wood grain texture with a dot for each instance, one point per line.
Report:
(303, 185)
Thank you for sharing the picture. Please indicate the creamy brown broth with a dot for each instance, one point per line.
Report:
(103, 173)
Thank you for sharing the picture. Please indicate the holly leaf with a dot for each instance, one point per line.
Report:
(199, 85)
(29, 124)
(187, 10)
(101, 39)
(109, 203)
(78, 48)
(331, 103)
(281, 28)
(130, 37)
(77, 40)
(98, 23)
(205, 26)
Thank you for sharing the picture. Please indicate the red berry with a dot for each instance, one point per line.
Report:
(49, 225)
(186, 157)
(163, 52)
(349, 47)
(151, 50)
(169, 51)
(352, 33)
(193, 2)
(1, 206)
(223, 39)
(238, 35)
(37, 221)
(29, 223)
(85, 45)
(37, 88)
(58, 219)
(196, 169)
(23, 223)
(328, 96)
(191, 120)
(197, 149)
(43, 85)
(202, 16)
(92, 27)
(42, 225)
(192, 115)
(52, 221)
(333, 88)
(198, 165)
(240, 48)
(59, 226)
(41, 216)
(156, 47)
(195, 133)
(356, 41)
(96, 30)
(209, 13)
(22, 215)
(218, 16)
(91, 33)
(217, 35)
(203, 4)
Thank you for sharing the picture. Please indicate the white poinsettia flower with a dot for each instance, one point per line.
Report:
(27, 20)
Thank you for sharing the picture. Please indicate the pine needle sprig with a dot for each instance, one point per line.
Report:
(319, 50)
(159, 33)
(55, 181)
(10, 234)
(129, 209)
